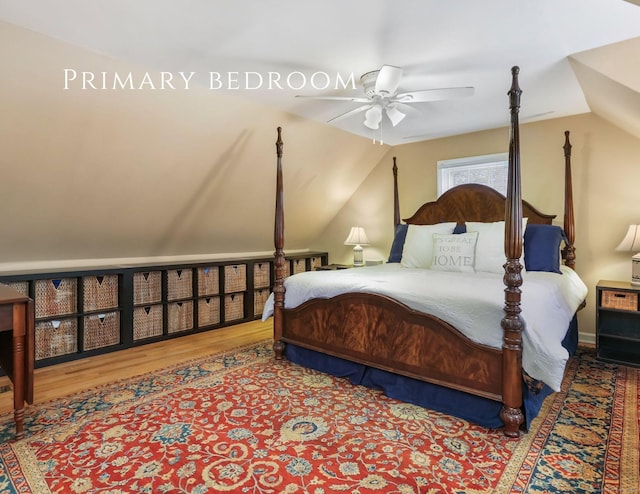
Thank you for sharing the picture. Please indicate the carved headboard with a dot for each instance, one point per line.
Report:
(472, 202)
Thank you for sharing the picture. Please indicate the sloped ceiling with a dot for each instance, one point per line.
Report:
(439, 44)
(103, 175)
(610, 79)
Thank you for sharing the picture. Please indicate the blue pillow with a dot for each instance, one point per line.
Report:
(460, 228)
(398, 243)
(542, 248)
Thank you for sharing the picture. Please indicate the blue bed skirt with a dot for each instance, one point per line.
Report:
(473, 408)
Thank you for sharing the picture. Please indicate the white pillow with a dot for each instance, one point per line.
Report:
(490, 246)
(418, 246)
(454, 252)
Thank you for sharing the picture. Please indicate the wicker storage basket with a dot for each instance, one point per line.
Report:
(261, 274)
(208, 311)
(235, 278)
(147, 287)
(56, 297)
(287, 268)
(101, 330)
(19, 286)
(54, 338)
(147, 322)
(316, 262)
(180, 316)
(208, 280)
(259, 299)
(100, 292)
(233, 306)
(612, 299)
(299, 265)
(179, 284)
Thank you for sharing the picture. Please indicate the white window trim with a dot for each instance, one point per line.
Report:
(444, 166)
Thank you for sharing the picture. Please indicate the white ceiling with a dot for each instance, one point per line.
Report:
(439, 44)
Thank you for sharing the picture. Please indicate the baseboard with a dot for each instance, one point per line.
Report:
(587, 339)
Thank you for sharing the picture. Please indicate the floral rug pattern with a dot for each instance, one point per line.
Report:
(243, 422)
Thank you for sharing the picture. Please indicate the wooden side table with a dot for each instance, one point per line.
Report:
(17, 348)
(618, 322)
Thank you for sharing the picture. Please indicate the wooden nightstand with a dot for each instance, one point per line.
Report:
(333, 267)
(618, 322)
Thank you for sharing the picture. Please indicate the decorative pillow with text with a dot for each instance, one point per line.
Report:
(456, 252)
(418, 246)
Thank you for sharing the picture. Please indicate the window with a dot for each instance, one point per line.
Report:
(491, 170)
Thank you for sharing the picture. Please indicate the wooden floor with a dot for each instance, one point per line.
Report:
(63, 379)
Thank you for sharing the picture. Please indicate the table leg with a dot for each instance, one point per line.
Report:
(19, 330)
(30, 351)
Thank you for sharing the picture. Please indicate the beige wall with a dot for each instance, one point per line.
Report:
(605, 178)
(108, 174)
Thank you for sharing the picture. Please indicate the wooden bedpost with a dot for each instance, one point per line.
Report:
(512, 324)
(569, 251)
(396, 201)
(278, 240)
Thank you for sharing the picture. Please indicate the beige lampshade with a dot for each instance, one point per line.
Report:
(631, 241)
(357, 236)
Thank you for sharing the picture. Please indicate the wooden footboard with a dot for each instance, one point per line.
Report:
(380, 332)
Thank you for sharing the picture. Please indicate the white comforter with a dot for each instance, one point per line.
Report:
(472, 303)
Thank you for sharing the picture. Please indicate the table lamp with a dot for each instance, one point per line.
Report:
(631, 243)
(357, 237)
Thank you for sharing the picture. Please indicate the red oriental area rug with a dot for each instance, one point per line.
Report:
(242, 422)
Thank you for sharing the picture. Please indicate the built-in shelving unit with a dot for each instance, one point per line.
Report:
(80, 313)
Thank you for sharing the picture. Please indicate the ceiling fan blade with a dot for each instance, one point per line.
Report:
(388, 80)
(406, 109)
(526, 118)
(335, 98)
(434, 94)
(355, 111)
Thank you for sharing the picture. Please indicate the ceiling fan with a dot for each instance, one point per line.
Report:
(382, 97)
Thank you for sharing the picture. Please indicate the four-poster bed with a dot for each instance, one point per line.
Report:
(384, 333)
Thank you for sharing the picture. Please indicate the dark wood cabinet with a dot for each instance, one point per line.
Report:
(334, 267)
(79, 313)
(618, 322)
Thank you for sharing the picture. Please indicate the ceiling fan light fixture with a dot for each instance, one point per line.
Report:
(395, 115)
(382, 96)
(373, 116)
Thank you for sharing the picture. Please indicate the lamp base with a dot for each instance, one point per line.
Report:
(358, 258)
(635, 270)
